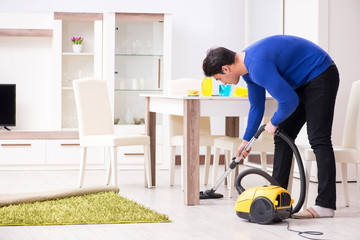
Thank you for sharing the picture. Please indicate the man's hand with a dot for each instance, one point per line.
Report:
(270, 128)
(240, 149)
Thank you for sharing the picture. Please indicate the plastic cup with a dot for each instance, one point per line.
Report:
(224, 90)
(206, 87)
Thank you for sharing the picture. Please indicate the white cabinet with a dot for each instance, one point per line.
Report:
(22, 152)
(72, 65)
(47, 154)
(67, 152)
(40, 150)
(131, 51)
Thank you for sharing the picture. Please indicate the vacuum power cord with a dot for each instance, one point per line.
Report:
(301, 233)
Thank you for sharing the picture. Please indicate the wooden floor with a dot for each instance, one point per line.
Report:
(213, 219)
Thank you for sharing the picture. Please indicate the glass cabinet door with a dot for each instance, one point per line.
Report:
(138, 67)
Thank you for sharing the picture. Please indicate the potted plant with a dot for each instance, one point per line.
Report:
(77, 41)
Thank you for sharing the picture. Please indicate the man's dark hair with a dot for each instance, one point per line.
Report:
(215, 59)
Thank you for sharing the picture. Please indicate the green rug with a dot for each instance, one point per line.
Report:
(98, 208)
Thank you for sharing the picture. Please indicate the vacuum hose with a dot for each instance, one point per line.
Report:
(272, 181)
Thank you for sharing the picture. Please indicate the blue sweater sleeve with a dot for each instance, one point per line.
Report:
(266, 76)
(257, 107)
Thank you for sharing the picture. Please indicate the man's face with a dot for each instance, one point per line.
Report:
(227, 78)
(229, 75)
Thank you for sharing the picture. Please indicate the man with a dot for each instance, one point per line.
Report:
(304, 80)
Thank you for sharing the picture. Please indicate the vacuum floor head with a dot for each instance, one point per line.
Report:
(210, 194)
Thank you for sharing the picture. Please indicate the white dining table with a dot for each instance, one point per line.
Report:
(192, 108)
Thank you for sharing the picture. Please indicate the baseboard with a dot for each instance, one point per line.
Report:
(253, 158)
(202, 159)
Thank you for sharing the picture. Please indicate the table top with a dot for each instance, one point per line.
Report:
(198, 97)
(209, 106)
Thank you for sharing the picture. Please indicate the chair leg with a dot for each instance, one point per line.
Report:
(147, 168)
(345, 182)
(183, 167)
(307, 179)
(227, 165)
(215, 165)
(114, 165)
(172, 165)
(232, 174)
(291, 176)
(82, 166)
(263, 161)
(207, 165)
(358, 177)
(108, 164)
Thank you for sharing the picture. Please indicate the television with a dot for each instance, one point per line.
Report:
(7, 105)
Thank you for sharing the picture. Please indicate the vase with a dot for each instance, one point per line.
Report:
(129, 116)
(77, 48)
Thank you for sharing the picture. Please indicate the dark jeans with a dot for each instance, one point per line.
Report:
(316, 108)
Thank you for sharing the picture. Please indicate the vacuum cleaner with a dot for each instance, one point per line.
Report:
(263, 204)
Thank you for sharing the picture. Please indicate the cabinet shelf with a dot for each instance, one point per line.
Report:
(138, 90)
(137, 55)
(77, 54)
(25, 32)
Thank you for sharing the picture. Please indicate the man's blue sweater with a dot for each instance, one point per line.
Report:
(279, 64)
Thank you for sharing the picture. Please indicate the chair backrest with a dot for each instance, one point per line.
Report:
(180, 87)
(266, 136)
(351, 135)
(93, 107)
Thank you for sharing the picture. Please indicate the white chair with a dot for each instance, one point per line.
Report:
(264, 145)
(349, 151)
(180, 87)
(96, 128)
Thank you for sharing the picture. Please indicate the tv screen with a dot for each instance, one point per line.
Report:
(7, 104)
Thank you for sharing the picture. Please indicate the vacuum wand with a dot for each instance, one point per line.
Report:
(235, 161)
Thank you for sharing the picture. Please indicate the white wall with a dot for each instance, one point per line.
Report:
(263, 18)
(301, 19)
(197, 25)
(333, 25)
(19, 67)
(344, 47)
(34, 108)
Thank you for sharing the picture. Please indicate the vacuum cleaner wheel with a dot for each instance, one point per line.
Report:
(262, 210)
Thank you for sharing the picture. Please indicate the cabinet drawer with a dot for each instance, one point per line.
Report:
(134, 155)
(69, 152)
(131, 155)
(22, 152)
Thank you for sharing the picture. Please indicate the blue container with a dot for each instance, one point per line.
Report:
(224, 90)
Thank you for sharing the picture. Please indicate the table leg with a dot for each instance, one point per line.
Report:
(191, 151)
(150, 129)
(232, 126)
(232, 130)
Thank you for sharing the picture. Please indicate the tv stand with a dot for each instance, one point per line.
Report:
(7, 128)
